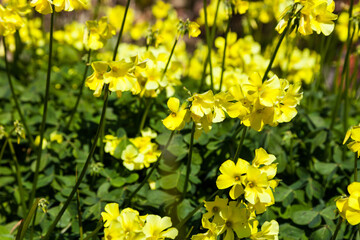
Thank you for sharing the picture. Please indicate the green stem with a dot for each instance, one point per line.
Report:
(343, 72)
(208, 41)
(282, 36)
(224, 54)
(83, 172)
(338, 225)
(96, 230)
(153, 167)
(3, 148)
(171, 53)
(17, 105)
(33, 224)
(81, 90)
(179, 225)
(43, 122)
(18, 176)
(355, 168)
(188, 164)
(143, 119)
(238, 150)
(79, 212)
(121, 30)
(213, 31)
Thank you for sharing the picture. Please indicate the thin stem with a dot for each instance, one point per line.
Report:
(18, 176)
(83, 172)
(79, 211)
(33, 224)
(143, 119)
(343, 72)
(355, 167)
(338, 225)
(17, 105)
(209, 45)
(171, 53)
(81, 90)
(153, 167)
(179, 225)
(238, 150)
(96, 230)
(282, 36)
(121, 30)
(3, 148)
(188, 164)
(213, 31)
(43, 122)
(224, 54)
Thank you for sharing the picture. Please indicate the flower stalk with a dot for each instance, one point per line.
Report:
(43, 122)
(238, 150)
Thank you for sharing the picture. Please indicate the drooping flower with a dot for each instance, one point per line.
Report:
(96, 80)
(176, 119)
(42, 6)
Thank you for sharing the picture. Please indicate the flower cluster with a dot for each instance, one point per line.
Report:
(98, 32)
(140, 153)
(256, 184)
(45, 6)
(349, 207)
(310, 16)
(254, 102)
(129, 224)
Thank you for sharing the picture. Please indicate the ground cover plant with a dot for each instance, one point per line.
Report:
(220, 119)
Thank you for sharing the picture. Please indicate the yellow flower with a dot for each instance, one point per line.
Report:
(54, 136)
(232, 176)
(132, 159)
(240, 6)
(121, 78)
(37, 142)
(322, 18)
(211, 234)
(213, 209)
(96, 80)
(349, 208)
(193, 29)
(161, 9)
(10, 21)
(111, 214)
(69, 5)
(157, 228)
(257, 186)
(269, 230)
(176, 120)
(111, 142)
(42, 6)
(236, 220)
(354, 133)
(98, 32)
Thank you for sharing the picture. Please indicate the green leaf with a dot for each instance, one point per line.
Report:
(314, 189)
(5, 234)
(169, 181)
(103, 189)
(290, 232)
(323, 233)
(184, 208)
(324, 168)
(117, 182)
(284, 195)
(303, 217)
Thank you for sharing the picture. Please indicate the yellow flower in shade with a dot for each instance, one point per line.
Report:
(236, 220)
(69, 5)
(269, 230)
(193, 29)
(54, 136)
(132, 159)
(349, 207)
(121, 78)
(96, 80)
(129, 227)
(232, 176)
(176, 119)
(42, 6)
(354, 133)
(211, 234)
(213, 209)
(98, 32)
(37, 142)
(111, 214)
(111, 142)
(259, 117)
(285, 110)
(157, 228)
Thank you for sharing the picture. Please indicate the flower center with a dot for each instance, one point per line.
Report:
(237, 178)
